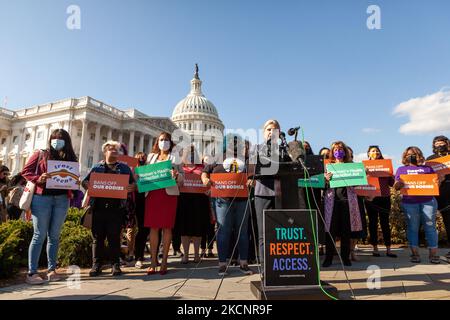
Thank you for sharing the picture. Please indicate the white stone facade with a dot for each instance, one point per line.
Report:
(90, 123)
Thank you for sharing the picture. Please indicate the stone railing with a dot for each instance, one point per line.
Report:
(47, 107)
(6, 113)
(107, 108)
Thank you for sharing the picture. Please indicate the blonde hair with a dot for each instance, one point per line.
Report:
(110, 143)
(271, 121)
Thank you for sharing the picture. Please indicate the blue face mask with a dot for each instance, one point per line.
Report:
(57, 144)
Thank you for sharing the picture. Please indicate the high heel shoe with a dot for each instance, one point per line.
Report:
(163, 270)
(184, 260)
(151, 270)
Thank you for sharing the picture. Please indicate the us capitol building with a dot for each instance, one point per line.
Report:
(91, 122)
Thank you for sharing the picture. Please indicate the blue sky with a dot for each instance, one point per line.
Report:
(308, 63)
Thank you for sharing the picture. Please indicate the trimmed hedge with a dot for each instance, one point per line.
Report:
(75, 247)
(15, 237)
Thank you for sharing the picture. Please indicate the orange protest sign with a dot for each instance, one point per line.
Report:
(130, 161)
(440, 165)
(372, 189)
(420, 184)
(193, 184)
(379, 168)
(106, 185)
(229, 185)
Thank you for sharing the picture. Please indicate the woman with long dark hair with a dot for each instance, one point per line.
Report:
(49, 206)
(342, 214)
(379, 208)
(161, 205)
(418, 210)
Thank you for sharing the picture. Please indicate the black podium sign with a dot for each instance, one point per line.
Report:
(289, 247)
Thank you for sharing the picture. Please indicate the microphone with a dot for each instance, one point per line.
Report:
(293, 131)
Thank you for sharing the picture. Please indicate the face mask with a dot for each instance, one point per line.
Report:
(339, 154)
(442, 149)
(412, 159)
(164, 145)
(141, 162)
(57, 144)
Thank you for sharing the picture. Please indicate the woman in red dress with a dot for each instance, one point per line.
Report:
(161, 205)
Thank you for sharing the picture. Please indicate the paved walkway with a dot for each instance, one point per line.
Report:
(400, 280)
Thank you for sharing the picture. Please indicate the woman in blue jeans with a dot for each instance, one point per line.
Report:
(418, 209)
(231, 212)
(49, 206)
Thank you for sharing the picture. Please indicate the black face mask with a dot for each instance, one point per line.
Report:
(412, 159)
(442, 149)
(141, 162)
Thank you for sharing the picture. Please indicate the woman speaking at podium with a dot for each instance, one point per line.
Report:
(265, 186)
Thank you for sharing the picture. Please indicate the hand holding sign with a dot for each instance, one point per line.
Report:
(43, 178)
(347, 174)
(106, 185)
(420, 184)
(63, 175)
(155, 176)
(440, 165)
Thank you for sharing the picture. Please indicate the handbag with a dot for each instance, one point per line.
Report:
(86, 218)
(28, 191)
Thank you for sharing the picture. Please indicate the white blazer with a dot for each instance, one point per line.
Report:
(171, 191)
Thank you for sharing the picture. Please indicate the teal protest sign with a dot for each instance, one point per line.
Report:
(317, 181)
(347, 174)
(155, 176)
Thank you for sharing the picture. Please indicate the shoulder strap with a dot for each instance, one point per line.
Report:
(153, 158)
(41, 155)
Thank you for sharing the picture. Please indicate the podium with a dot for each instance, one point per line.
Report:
(291, 274)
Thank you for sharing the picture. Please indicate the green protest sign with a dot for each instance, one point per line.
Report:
(347, 174)
(155, 176)
(317, 181)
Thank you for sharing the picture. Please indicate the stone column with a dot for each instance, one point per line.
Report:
(110, 130)
(83, 146)
(19, 149)
(33, 139)
(121, 137)
(131, 143)
(96, 157)
(47, 134)
(141, 142)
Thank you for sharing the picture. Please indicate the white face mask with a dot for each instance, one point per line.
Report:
(164, 145)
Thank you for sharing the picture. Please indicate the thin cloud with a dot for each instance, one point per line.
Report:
(428, 114)
(371, 130)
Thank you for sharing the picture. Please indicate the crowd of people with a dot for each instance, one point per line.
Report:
(166, 217)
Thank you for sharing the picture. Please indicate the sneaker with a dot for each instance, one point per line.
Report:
(223, 270)
(115, 271)
(327, 262)
(52, 276)
(34, 279)
(139, 264)
(447, 255)
(96, 270)
(178, 254)
(210, 254)
(245, 269)
(347, 262)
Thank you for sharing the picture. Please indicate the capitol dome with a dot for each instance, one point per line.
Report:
(195, 114)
